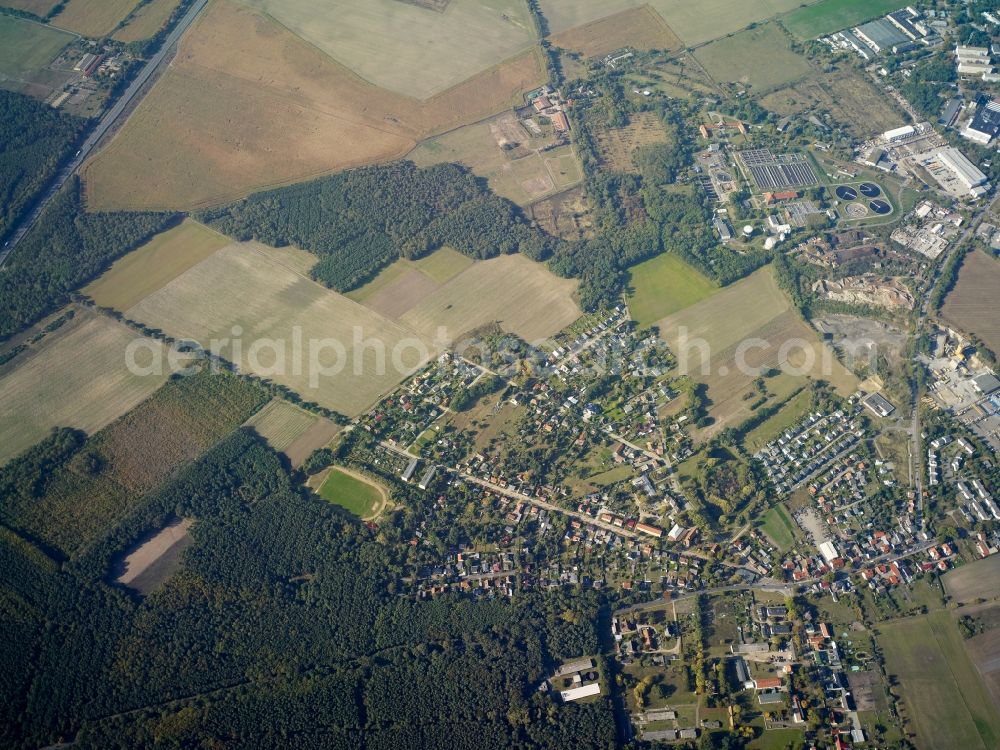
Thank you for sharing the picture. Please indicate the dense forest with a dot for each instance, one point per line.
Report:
(34, 139)
(66, 248)
(280, 629)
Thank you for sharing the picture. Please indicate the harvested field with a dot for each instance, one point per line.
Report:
(318, 436)
(984, 650)
(76, 377)
(353, 492)
(847, 95)
(281, 423)
(403, 284)
(199, 139)
(944, 698)
(405, 48)
(971, 305)
(617, 146)
(520, 294)
(744, 329)
(565, 215)
(135, 276)
(271, 306)
(39, 7)
(639, 28)
(93, 18)
(152, 562)
(26, 47)
(974, 581)
(761, 57)
(664, 285)
(563, 15)
(146, 21)
(812, 21)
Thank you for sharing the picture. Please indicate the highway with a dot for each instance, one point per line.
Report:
(101, 129)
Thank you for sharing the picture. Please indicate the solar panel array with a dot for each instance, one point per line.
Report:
(770, 172)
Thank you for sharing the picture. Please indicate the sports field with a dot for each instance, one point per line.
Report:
(147, 21)
(135, 276)
(523, 296)
(664, 285)
(944, 697)
(761, 57)
(281, 423)
(405, 48)
(76, 377)
(833, 15)
(271, 307)
(93, 18)
(26, 46)
(977, 580)
(971, 304)
(747, 328)
(779, 527)
(199, 138)
(353, 492)
(639, 28)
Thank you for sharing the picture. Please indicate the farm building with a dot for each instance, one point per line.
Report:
(560, 121)
(584, 691)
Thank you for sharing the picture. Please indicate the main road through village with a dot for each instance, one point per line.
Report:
(110, 118)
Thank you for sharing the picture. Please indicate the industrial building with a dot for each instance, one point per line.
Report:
(964, 170)
(880, 35)
(898, 134)
(985, 123)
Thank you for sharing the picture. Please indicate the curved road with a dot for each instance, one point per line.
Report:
(100, 130)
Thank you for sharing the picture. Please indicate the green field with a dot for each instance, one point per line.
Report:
(405, 48)
(777, 423)
(779, 527)
(761, 57)
(26, 46)
(664, 285)
(93, 18)
(352, 493)
(945, 699)
(833, 15)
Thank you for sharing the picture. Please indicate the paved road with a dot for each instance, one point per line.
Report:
(101, 129)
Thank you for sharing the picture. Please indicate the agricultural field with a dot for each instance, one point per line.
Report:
(523, 296)
(944, 698)
(828, 16)
(354, 493)
(146, 21)
(617, 146)
(508, 156)
(405, 48)
(849, 98)
(26, 47)
(779, 527)
(292, 430)
(270, 305)
(969, 307)
(984, 650)
(664, 285)
(639, 28)
(150, 563)
(93, 18)
(198, 138)
(749, 327)
(39, 7)
(76, 377)
(761, 57)
(403, 284)
(974, 581)
(135, 276)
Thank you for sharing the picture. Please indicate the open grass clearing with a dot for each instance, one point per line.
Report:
(640, 28)
(281, 423)
(246, 105)
(828, 16)
(617, 146)
(664, 285)
(761, 57)
(272, 307)
(406, 48)
(974, 581)
(135, 276)
(77, 377)
(788, 415)
(523, 296)
(93, 18)
(353, 492)
(26, 46)
(779, 527)
(945, 699)
(146, 21)
(971, 305)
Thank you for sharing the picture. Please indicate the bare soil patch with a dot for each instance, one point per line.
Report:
(617, 146)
